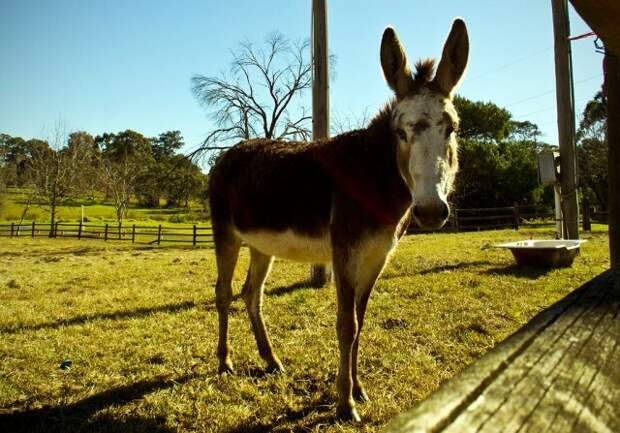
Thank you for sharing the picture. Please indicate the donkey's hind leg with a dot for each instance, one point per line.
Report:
(227, 246)
(252, 293)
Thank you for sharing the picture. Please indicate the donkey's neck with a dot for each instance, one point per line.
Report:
(364, 167)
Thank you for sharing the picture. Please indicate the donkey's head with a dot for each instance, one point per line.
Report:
(424, 121)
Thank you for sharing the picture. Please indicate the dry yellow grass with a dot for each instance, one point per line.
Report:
(139, 325)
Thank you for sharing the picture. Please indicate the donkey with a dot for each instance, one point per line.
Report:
(345, 201)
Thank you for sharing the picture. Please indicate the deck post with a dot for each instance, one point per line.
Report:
(612, 84)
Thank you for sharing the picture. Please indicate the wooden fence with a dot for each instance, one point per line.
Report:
(119, 232)
(513, 217)
(461, 220)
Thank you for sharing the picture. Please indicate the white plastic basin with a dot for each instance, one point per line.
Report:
(544, 253)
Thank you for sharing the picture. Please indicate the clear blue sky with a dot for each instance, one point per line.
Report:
(108, 65)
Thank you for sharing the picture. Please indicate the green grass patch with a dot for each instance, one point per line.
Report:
(96, 210)
(140, 327)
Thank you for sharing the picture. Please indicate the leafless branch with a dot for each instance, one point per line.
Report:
(255, 100)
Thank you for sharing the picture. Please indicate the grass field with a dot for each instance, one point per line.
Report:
(96, 210)
(139, 325)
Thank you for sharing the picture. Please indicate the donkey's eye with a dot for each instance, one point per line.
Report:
(420, 126)
(401, 134)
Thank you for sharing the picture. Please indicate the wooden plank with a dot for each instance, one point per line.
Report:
(559, 373)
(603, 16)
(612, 85)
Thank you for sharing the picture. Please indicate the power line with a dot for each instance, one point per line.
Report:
(514, 62)
(550, 108)
(550, 91)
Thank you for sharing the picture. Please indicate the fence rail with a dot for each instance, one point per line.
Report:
(119, 232)
(461, 220)
(476, 219)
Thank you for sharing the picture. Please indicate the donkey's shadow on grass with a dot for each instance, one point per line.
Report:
(143, 312)
(80, 415)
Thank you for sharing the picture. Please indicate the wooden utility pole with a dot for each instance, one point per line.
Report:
(319, 274)
(566, 117)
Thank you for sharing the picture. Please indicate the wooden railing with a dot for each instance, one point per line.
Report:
(119, 232)
(515, 217)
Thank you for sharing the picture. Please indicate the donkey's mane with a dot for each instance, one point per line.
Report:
(424, 72)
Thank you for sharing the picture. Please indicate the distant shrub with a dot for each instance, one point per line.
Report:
(178, 218)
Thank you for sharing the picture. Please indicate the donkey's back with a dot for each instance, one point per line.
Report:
(276, 197)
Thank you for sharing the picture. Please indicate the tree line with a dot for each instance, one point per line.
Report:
(123, 166)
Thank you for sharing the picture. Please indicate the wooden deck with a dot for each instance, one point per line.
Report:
(559, 373)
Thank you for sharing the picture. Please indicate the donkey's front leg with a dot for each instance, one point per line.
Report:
(346, 328)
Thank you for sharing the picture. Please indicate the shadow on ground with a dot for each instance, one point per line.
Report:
(112, 315)
(520, 271)
(140, 312)
(321, 409)
(81, 415)
(455, 267)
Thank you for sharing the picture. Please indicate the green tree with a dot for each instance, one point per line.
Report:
(14, 157)
(497, 158)
(592, 151)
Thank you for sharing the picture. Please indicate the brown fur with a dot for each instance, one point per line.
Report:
(351, 192)
(292, 185)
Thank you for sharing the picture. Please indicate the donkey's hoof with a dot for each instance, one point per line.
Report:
(360, 395)
(275, 368)
(348, 414)
(226, 368)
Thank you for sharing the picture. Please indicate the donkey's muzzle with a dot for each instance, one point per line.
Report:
(431, 216)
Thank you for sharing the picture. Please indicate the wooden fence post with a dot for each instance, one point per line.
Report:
(515, 213)
(159, 234)
(80, 230)
(194, 237)
(119, 230)
(56, 230)
(456, 220)
(12, 229)
(33, 229)
(105, 232)
(587, 225)
(133, 233)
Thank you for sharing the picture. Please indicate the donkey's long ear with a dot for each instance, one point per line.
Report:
(453, 59)
(394, 63)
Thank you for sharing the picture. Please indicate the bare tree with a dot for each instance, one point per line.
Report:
(54, 170)
(341, 122)
(255, 99)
